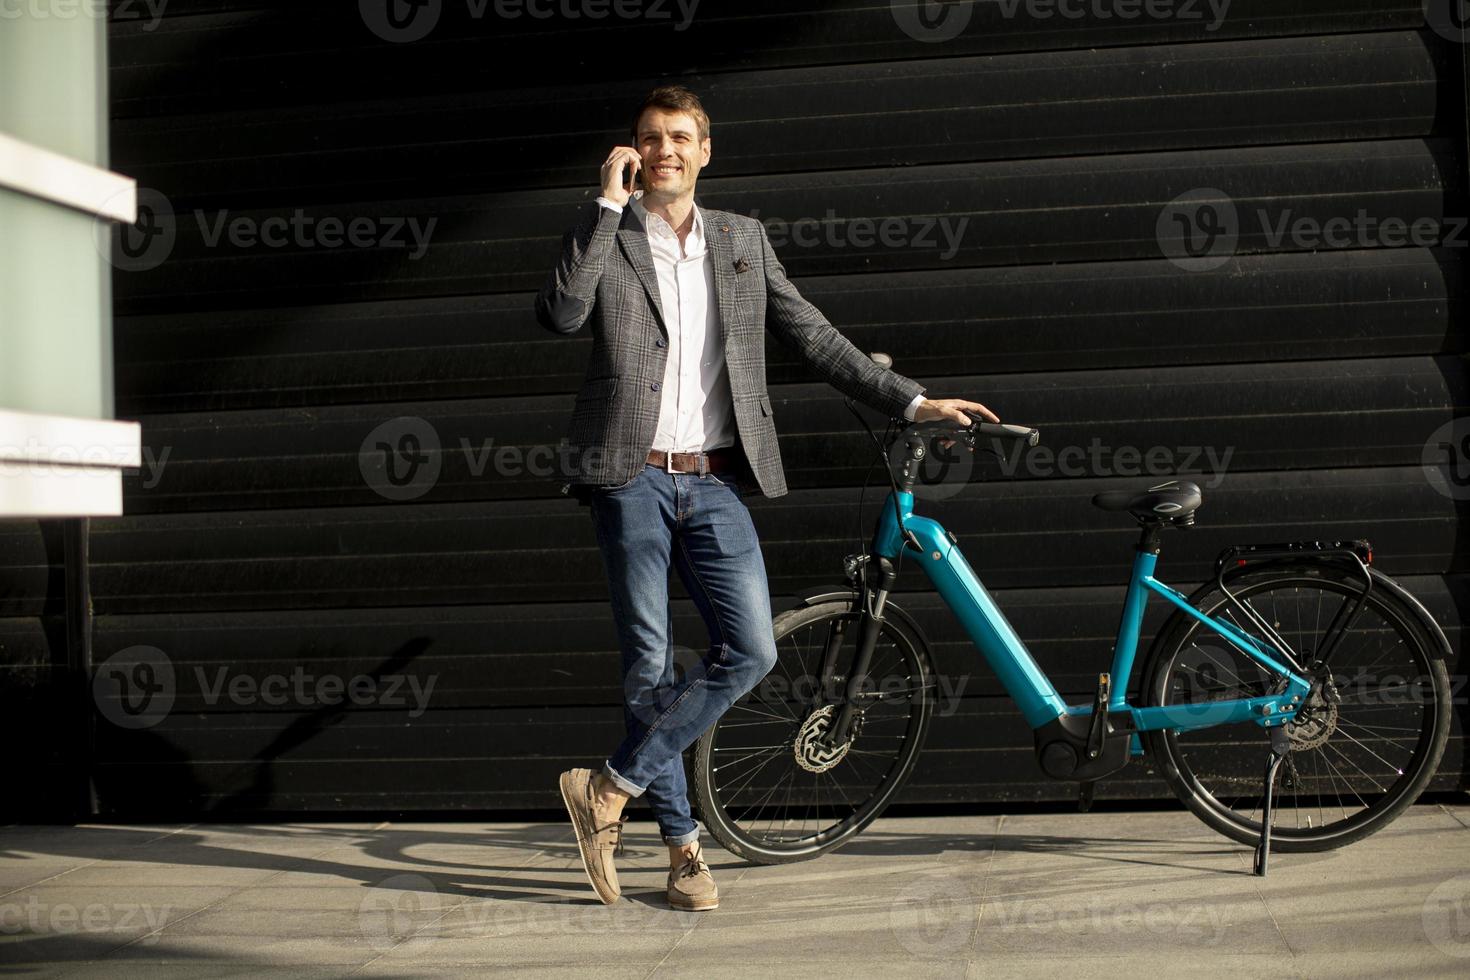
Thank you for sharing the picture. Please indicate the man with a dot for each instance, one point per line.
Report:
(673, 427)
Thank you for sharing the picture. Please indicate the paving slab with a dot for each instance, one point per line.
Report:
(987, 896)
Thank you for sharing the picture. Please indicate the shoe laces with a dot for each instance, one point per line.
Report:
(617, 827)
(693, 867)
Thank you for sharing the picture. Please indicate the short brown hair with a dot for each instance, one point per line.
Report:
(674, 98)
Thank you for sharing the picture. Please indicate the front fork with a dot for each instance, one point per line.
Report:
(871, 600)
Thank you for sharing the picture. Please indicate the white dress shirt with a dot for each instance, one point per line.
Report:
(696, 412)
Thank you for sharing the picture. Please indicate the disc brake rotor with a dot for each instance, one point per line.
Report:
(1317, 720)
(811, 755)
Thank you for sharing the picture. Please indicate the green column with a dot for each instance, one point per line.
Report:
(55, 284)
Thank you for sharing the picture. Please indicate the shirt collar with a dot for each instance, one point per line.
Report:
(658, 226)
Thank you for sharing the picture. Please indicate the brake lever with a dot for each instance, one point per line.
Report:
(994, 452)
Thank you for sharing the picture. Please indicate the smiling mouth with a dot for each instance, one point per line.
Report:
(665, 171)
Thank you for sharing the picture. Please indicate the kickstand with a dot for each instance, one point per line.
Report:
(1084, 795)
(1280, 746)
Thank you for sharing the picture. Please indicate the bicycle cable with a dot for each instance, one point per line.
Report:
(887, 466)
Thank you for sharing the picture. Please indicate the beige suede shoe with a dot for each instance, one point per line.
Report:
(597, 844)
(692, 887)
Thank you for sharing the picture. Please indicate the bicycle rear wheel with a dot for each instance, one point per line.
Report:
(1369, 738)
(765, 791)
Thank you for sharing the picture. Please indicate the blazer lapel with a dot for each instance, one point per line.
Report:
(721, 249)
(633, 239)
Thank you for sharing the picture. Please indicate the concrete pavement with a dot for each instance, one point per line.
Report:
(969, 896)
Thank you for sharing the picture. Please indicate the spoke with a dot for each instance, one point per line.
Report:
(750, 776)
(1317, 623)
(1317, 776)
(801, 653)
(767, 756)
(760, 804)
(751, 724)
(752, 748)
(771, 824)
(786, 807)
(1377, 690)
(838, 786)
(1329, 745)
(1392, 768)
(816, 804)
(764, 714)
(1378, 728)
(781, 662)
(1332, 775)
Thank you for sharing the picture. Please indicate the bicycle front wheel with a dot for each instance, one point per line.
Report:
(766, 790)
(1369, 737)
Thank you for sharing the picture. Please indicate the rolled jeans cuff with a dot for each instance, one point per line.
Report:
(683, 839)
(620, 782)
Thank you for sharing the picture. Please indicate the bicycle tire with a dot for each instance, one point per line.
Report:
(1194, 763)
(718, 807)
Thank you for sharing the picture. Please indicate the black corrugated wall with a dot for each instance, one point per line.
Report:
(985, 194)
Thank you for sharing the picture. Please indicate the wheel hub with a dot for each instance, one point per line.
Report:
(811, 755)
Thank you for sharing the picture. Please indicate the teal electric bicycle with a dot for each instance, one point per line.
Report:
(1299, 698)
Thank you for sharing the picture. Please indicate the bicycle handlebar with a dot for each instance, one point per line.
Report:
(1032, 436)
(977, 427)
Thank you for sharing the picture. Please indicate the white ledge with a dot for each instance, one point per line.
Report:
(61, 180)
(63, 466)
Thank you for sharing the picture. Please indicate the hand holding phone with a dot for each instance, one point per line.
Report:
(620, 172)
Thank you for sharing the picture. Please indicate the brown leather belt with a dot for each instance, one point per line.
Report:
(713, 461)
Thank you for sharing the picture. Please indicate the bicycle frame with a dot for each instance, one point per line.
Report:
(1025, 681)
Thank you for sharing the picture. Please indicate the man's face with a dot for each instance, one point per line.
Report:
(673, 154)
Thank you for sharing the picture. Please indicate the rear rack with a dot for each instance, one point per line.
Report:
(1241, 554)
(1356, 554)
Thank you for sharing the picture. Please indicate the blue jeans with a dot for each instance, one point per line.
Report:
(702, 526)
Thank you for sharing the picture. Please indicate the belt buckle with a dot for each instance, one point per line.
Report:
(669, 462)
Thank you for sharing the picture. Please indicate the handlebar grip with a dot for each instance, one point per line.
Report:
(1032, 436)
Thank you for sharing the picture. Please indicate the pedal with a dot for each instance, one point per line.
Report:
(1097, 733)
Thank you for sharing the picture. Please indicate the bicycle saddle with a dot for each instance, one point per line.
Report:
(1167, 501)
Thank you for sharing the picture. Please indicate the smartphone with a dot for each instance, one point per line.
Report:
(628, 180)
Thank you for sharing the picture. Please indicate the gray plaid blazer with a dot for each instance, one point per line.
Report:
(605, 275)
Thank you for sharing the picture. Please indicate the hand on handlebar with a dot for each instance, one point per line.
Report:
(956, 410)
(977, 420)
(953, 410)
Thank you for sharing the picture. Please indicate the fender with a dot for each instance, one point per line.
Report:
(1430, 624)
(845, 593)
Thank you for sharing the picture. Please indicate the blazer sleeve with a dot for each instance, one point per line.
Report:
(566, 301)
(802, 327)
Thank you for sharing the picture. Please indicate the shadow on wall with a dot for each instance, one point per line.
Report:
(147, 777)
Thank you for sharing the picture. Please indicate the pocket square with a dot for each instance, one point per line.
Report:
(741, 265)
